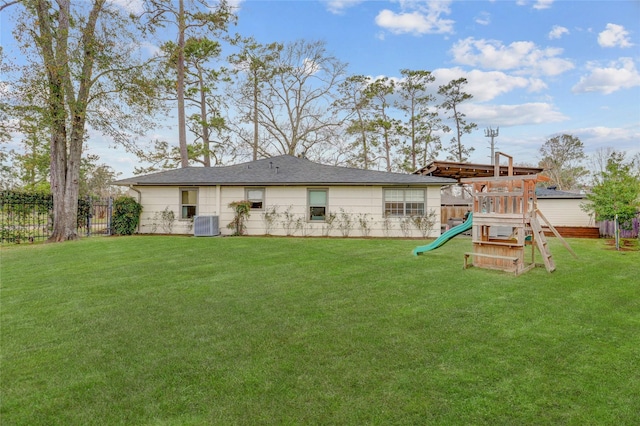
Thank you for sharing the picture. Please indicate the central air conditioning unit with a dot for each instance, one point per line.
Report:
(205, 226)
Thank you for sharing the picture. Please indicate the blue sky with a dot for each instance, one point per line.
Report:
(536, 69)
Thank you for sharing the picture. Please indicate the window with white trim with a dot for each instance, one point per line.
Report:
(256, 197)
(318, 199)
(404, 202)
(188, 203)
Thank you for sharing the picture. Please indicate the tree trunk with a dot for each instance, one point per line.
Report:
(413, 137)
(458, 135)
(255, 115)
(182, 122)
(387, 151)
(363, 135)
(205, 122)
(64, 219)
(72, 178)
(617, 232)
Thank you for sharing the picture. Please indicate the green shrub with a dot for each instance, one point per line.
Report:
(126, 215)
(242, 211)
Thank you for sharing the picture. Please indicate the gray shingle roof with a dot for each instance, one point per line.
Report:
(450, 200)
(282, 170)
(554, 193)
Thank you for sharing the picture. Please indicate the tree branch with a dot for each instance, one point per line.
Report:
(6, 4)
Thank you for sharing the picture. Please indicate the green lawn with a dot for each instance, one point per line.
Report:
(246, 331)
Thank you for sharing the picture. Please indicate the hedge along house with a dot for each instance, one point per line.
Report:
(290, 196)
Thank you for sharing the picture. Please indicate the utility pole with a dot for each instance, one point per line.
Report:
(490, 133)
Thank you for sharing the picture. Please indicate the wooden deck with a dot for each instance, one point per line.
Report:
(574, 231)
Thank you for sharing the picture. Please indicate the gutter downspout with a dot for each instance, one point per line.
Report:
(218, 201)
(131, 188)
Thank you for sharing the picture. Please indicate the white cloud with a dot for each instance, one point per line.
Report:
(131, 6)
(618, 75)
(486, 86)
(149, 49)
(339, 6)
(417, 17)
(522, 56)
(5, 89)
(557, 31)
(539, 4)
(614, 36)
(604, 133)
(543, 4)
(515, 115)
(309, 67)
(235, 4)
(484, 18)
(622, 139)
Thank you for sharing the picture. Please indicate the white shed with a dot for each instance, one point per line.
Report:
(563, 210)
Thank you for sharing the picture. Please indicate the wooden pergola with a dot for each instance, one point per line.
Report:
(461, 171)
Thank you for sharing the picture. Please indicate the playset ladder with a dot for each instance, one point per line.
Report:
(555, 232)
(541, 242)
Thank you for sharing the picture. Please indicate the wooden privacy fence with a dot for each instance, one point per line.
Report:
(607, 229)
(453, 212)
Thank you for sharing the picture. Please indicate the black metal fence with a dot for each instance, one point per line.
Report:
(97, 217)
(29, 217)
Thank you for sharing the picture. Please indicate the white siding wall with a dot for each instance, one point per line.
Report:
(354, 202)
(155, 200)
(564, 212)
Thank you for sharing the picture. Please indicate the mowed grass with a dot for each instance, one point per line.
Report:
(246, 331)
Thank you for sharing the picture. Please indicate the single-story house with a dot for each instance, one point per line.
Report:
(289, 196)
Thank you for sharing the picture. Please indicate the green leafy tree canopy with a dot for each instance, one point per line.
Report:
(616, 194)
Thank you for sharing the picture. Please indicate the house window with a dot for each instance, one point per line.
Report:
(317, 204)
(404, 202)
(188, 203)
(256, 197)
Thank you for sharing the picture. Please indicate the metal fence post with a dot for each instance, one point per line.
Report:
(88, 217)
(109, 212)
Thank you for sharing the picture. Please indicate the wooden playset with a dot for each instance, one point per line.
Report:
(506, 222)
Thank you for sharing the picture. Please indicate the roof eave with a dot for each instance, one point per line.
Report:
(249, 183)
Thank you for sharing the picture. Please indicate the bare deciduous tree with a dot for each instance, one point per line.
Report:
(254, 67)
(295, 107)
